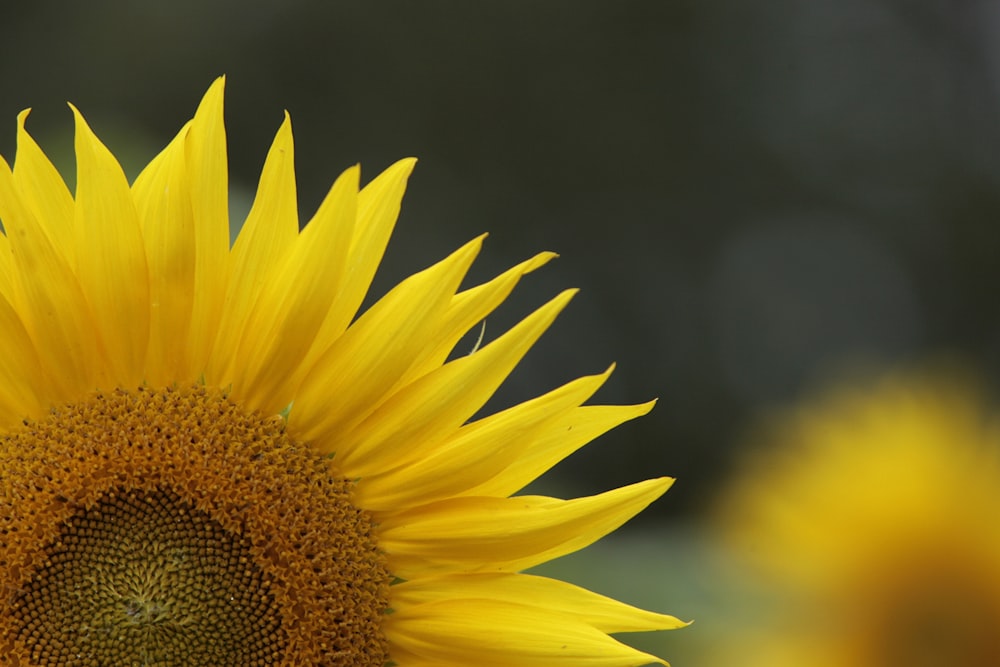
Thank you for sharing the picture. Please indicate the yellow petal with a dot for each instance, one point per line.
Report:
(351, 378)
(293, 304)
(270, 228)
(20, 370)
(334, 227)
(495, 633)
(603, 613)
(555, 441)
(50, 302)
(162, 194)
(378, 209)
(44, 191)
(209, 179)
(7, 288)
(111, 257)
(505, 534)
(402, 658)
(432, 408)
(474, 454)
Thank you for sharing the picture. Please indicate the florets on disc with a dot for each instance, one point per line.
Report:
(171, 527)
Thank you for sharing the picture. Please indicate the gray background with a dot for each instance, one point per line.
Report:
(753, 196)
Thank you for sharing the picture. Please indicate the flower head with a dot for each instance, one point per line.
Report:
(208, 457)
(873, 523)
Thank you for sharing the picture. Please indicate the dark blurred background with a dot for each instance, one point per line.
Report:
(753, 196)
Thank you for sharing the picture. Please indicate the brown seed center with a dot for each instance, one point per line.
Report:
(143, 578)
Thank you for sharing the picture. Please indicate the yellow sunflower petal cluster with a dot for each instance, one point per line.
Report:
(871, 521)
(208, 456)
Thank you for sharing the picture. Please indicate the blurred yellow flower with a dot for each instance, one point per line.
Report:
(871, 523)
(207, 457)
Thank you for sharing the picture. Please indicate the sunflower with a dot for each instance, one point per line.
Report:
(873, 524)
(208, 457)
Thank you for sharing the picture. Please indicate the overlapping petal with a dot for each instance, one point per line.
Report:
(543, 593)
(555, 441)
(50, 302)
(162, 194)
(498, 633)
(477, 533)
(294, 302)
(205, 156)
(352, 377)
(111, 258)
(43, 191)
(378, 209)
(475, 453)
(425, 412)
(466, 309)
(20, 370)
(268, 232)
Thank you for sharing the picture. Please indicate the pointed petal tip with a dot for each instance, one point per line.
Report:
(83, 132)
(400, 169)
(664, 483)
(476, 243)
(567, 295)
(284, 133)
(536, 262)
(604, 375)
(669, 623)
(212, 101)
(217, 85)
(467, 254)
(352, 173)
(470, 250)
(650, 489)
(392, 177)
